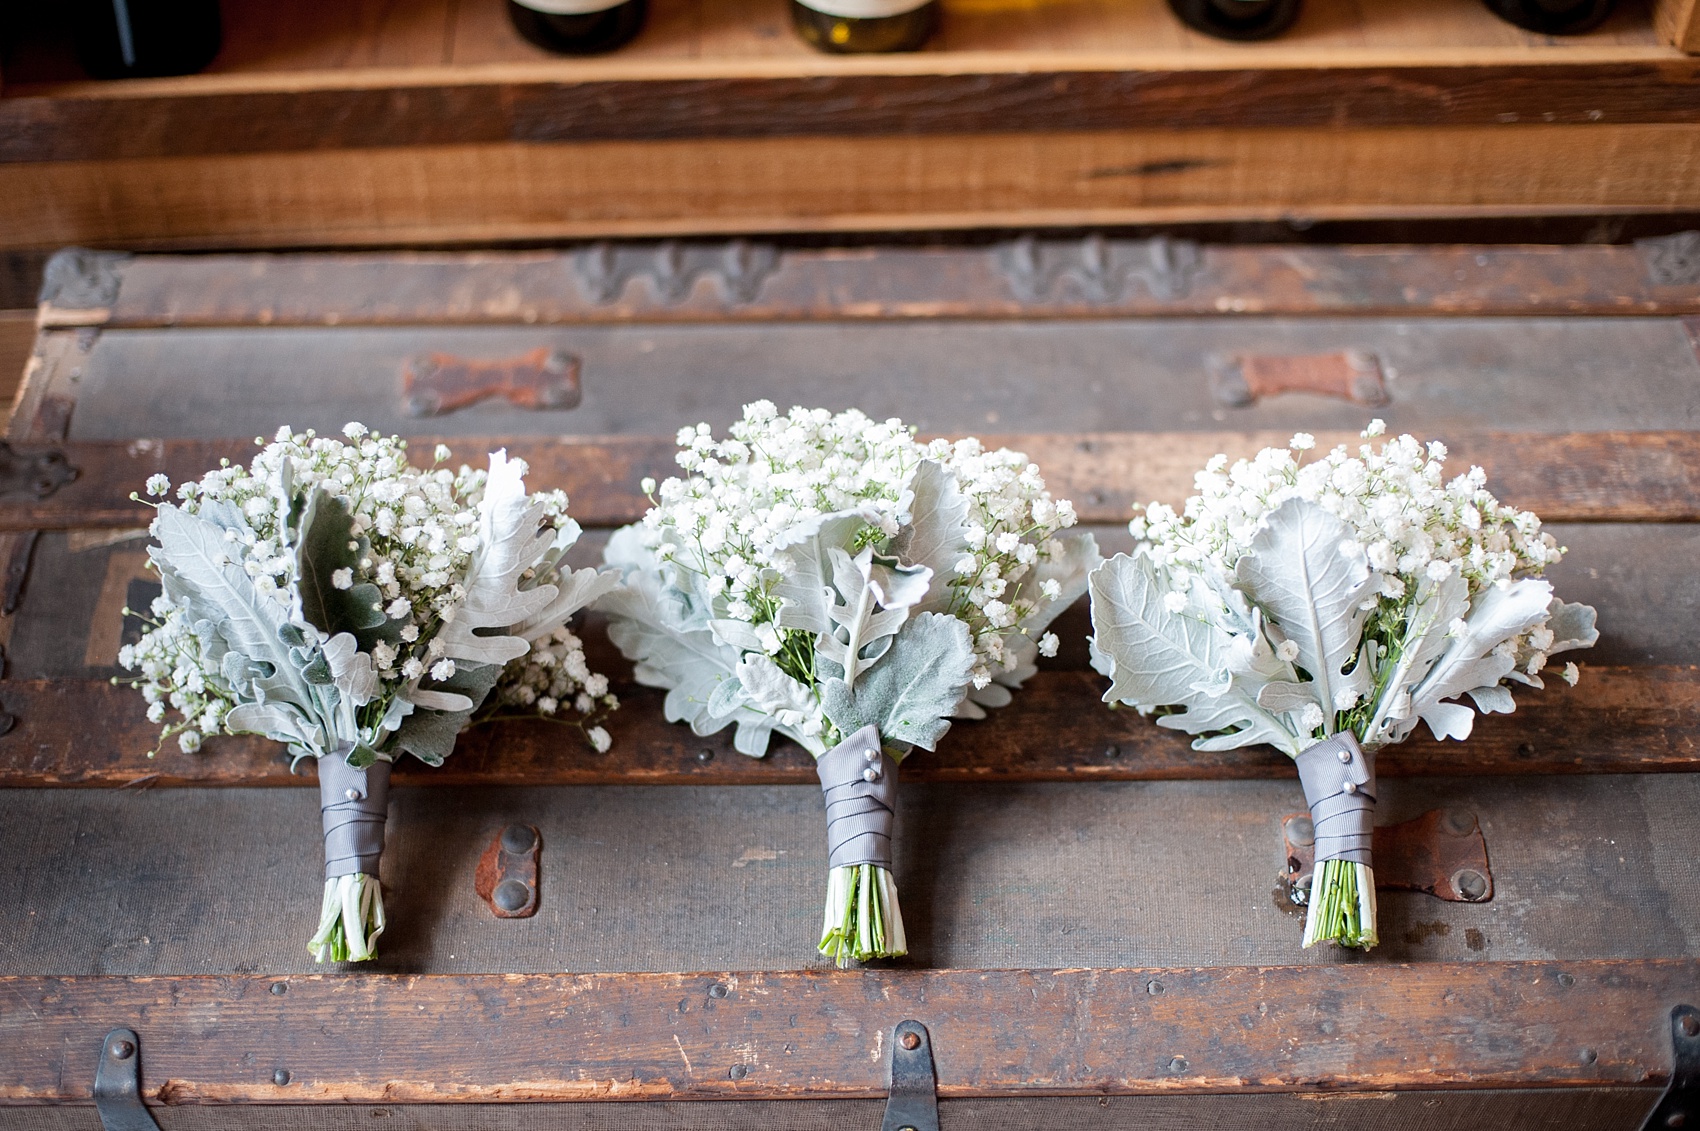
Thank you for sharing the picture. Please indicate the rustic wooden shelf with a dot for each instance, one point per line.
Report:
(432, 121)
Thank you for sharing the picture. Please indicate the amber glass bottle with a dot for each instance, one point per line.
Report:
(1554, 17)
(578, 27)
(860, 26)
(1238, 19)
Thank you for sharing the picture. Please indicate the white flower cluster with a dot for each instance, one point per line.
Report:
(728, 522)
(417, 531)
(555, 681)
(1410, 521)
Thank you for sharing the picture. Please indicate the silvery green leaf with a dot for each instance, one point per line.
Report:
(937, 533)
(1282, 697)
(1157, 658)
(511, 540)
(1572, 626)
(1495, 700)
(351, 669)
(277, 721)
(805, 590)
(912, 692)
(326, 545)
(428, 733)
(1438, 604)
(1470, 660)
(1298, 572)
(1069, 570)
(869, 616)
(728, 696)
(574, 591)
(737, 634)
(770, 689)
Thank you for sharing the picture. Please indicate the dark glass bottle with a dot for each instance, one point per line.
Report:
(1238, 19)
(563, 26)
(1553, 17)
(127, 39)
(843, 33)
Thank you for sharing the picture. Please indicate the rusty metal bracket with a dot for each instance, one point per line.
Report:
(437, 383)
(1099, 269)
(1680, 1105)
(672, 268)
(79, 287)
(1239, 380)
(1441, 852)
(118, 1084)
(32, 473)
(912, 1104)
(507, 872)
(1671, 261)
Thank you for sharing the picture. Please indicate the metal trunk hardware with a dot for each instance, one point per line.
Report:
(1441, 852)
(1245, 379)
(118, 1084)
(507, 872)
(32, 473)
(438, 383)
(1680, 1105)
(913, 1104)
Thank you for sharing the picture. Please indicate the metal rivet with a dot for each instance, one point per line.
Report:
(1469, 884)
(1690, 1025)
(1178, 1064)
(1349, 787)
(717, 990)
(1154, 988)
(1457, 822)
(911, 1041)
(1589, 1056)
(705, 755)
(1567, 980)
(1112, 751)
(870, 774)
(123, 1050)
(739, 1072)
(351, 794)
(280, 1077)
(279, 988)
(1301, 830)
(1526, 750)
(518, 838)
(511, 895)
(1345, 757)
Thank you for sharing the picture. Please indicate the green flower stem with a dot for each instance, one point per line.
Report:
(1342, 905)
(350, 920)
(862, 919)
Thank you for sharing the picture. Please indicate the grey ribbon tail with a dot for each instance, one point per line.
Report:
(859, 782)
(353, 805)
(1339, 784)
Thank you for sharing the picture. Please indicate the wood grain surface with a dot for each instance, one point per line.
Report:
(543, 288)
(1575, 477)
(1617, 720)
(468, 1039)
(514, 190)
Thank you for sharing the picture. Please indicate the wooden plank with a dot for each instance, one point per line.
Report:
(123, 124)
(469, 1039)
(544, 288)
(1678, 23)
(84, 732)
(518, 191)
(1571, 477)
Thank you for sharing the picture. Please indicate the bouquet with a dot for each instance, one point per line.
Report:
(833, 580)
(334, 598)
(1326, 608)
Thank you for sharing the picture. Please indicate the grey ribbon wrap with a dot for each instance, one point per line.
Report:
(859, 781)
(1339, 783)
(353, 804)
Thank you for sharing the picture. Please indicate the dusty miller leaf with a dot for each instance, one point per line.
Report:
(326, 544)
(910, 694)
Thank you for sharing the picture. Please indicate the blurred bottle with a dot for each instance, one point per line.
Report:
(1553, 17)
(125, 39)
(849, 27)
(578, 27)
(1238, 19)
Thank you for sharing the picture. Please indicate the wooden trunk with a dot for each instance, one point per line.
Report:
(1099, 935)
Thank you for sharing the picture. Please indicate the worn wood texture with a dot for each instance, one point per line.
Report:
(1642, 720)
(1678, 23)
(1576, 477)
(767, 1035)
(474, 110)
(545, 288)
(1519, 1109)
(521, 191)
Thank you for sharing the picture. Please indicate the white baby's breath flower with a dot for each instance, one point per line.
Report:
(442, 670)
(158, 484)
(1287, 651)
(1048, 645)
(342, 578)
(1571, 674)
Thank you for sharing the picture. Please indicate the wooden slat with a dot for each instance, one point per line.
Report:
(521, 191)
(1678, 23)
(469, 111)
(1570, 477)
(1617, 720)
(540, 288)
(468, 1038)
